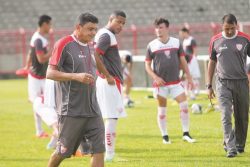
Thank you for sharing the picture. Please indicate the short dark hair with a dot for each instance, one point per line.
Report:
(44, 19)
(184, 29)
(86, 18)
(229, 18)
(118, 13)
(161, 20)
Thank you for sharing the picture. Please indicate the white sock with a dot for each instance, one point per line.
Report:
(38, 124)
(184, 114)
(110, 135)
(161, 119)
(125, 100)
(196, 89)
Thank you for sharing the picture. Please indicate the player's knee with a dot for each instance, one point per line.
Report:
(63, 152)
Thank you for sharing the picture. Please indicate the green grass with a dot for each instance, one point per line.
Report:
(138, 143)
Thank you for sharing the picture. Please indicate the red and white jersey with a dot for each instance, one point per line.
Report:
(75, 98)
(188, 46)
(106, 45)
(38, 45)
(230, 54)
(166, 59)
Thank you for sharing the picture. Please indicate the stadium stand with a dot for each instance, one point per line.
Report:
(15, 14)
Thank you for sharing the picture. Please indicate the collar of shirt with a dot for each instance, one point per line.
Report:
(79, 42)
(224, 35)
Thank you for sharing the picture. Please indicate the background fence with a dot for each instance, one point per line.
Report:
(14, 45)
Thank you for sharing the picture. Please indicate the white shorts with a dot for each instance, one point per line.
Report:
(49, 93)
(110, 99)
(35, 87)
(169, 90)
(194, 68)
(126, 73)
(48, 114)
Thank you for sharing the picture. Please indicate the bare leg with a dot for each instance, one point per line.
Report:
(97, 160)
(55, 160)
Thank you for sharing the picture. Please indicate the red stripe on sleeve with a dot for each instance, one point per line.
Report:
(242, 34)
(212, 41)
(98, 50)
(58, 49)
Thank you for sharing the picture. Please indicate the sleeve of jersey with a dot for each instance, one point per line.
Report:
(39, 47)
(57, 53)
(248, 49)
(212, 52)
(102, 44)
(193, 43)
(181, 51)
(149, 56)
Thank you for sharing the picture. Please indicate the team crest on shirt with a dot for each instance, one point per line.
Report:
(167, 53)
(239, 46)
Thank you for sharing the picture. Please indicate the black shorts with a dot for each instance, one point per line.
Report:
(76, 130)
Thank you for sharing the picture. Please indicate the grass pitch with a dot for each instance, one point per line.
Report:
(139, 143)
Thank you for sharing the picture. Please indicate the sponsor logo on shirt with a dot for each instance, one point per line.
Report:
(239, 46)
(81, 56)
(222, 48)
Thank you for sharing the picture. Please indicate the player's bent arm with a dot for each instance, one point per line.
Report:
(102, 69)
(43, 58)
(54, 74)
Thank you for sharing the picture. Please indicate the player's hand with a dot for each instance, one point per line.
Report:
(211, 93)
(110, 80)
(85, 78)
(190, 83)
(158, 81)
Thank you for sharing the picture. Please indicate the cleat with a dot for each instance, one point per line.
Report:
(109, 157)
(43, 135)
(240, 150)
(231, 154)
(186, 137)
(165, 140)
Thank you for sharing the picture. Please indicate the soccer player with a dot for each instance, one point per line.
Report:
(73, 66)
(228, 52)
(127, 62)
(45, 107)
(167, 55)
(109, 81)
(190, 49)
(39, 56)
